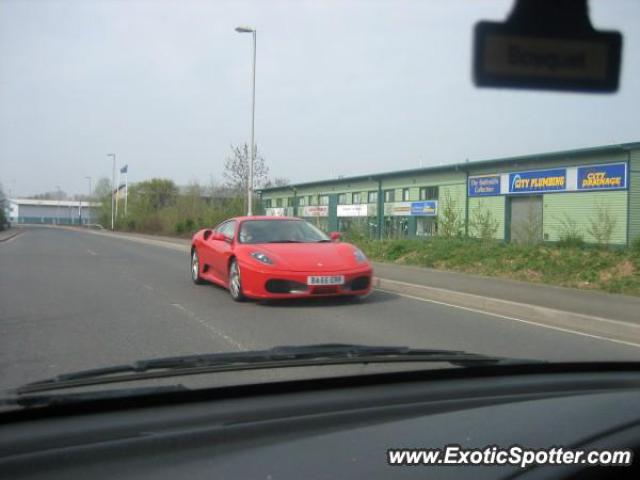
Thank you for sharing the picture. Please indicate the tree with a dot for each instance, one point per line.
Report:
(54, 195)
(102, 193)
(102, 189)
(482, 223)
(277, 182)
(602, 226)
(154, 194)
(236, 169)
(450, 224)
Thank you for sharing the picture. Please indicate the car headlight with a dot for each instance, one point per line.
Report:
(261, 257)
(360, 257)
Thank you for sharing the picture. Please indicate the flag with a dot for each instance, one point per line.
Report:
(124, 169)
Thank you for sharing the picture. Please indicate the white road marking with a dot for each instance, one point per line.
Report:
(148, 287)
(529, 322)
(212, 329)
(91, 252)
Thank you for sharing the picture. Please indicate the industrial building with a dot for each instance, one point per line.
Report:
(52, 212)
(537, 197)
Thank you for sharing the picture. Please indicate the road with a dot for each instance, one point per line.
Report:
(72, 300)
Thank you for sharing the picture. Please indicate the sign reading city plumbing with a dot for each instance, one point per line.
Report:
(538, 181)
(603, 177)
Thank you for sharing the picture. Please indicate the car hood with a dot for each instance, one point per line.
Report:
(304, 257)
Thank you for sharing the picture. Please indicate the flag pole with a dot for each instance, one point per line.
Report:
(126, 190)
(117, 193)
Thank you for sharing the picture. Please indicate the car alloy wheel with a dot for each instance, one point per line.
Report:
(195, 268)
(235, 284)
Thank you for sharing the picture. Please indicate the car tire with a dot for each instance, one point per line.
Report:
(235, 282)
(195, 268)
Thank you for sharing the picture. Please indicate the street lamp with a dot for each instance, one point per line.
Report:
(58, 195)
(88, 203)
(253, 114)
(113, 186)
(89, 178)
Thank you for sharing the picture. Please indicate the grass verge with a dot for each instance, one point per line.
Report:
(588, 267)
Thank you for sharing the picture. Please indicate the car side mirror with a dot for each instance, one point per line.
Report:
(218, 236)
(335, 236)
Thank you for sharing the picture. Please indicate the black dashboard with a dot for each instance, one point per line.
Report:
(334, 428)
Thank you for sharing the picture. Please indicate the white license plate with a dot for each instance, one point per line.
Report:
(326, 280)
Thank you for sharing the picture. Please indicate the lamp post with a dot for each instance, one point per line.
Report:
(58, 195)
(113, 182)
(253, 113)
(88, 201)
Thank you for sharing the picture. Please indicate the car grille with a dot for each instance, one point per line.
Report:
(284, 286)
(323, 290)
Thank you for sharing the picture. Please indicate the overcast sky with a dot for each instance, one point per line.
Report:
(343, 88)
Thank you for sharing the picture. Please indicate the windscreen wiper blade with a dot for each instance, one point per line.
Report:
(277, 357)
(31, 401)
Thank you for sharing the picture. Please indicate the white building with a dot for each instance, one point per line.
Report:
(55, 212)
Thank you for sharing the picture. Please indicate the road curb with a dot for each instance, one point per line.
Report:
(4, 239)
(622, 332)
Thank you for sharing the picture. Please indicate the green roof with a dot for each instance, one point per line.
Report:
(459, 166)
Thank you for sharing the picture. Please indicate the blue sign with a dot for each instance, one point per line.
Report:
(539, 181)
(484, 186)
(603, 177)
(428, 208)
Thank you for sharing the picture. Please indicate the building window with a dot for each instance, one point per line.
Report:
(278, 202)
(342, 199)
(311, 200)
(267, 203)
(290, 201)
(389, 196)
(429, 193)
(405, 194)
(323, 200)
(357, 198)
(372, 197)
(302, 201)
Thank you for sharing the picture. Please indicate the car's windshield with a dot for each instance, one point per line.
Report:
(187, 177)
(280, 231)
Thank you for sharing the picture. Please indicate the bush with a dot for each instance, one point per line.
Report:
(450, 223)
(602, 226)
(571, 241)
(570, 234)
(482, 224)
(635, 246)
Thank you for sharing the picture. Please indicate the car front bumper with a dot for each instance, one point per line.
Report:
(262, 283)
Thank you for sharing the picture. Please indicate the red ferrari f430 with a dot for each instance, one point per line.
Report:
(278, 257)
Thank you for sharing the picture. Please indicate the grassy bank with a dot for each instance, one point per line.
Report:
(611, 270)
